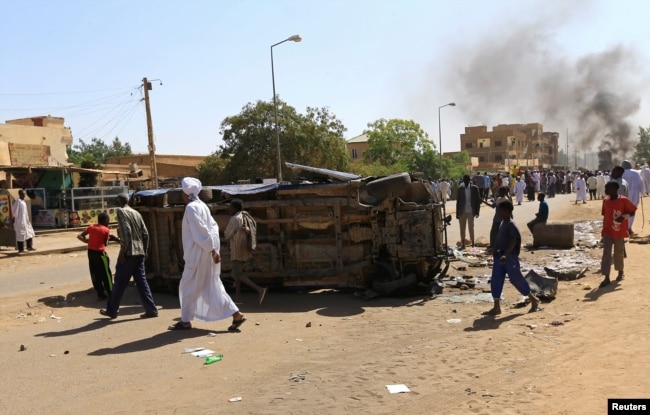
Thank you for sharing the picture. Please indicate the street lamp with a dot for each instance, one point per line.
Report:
(451, 104)
(294, 38)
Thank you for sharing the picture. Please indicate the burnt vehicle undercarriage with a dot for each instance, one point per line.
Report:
(334, 230)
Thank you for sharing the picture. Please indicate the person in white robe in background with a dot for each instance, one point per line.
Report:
(519, 188)
(645, 175)
(600, 185)
(201, 292)
(635, 190)
(22, 224)
(580, 185)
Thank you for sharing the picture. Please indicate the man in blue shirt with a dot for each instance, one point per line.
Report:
(542, 214)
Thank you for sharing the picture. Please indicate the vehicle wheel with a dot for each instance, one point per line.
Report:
(390, 287)
(381, 188)
(205, 195)
(175, 197)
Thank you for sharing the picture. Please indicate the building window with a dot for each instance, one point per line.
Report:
(497, 143)
(498, 157)
(468, 145)
(481, 159)
(354, 154)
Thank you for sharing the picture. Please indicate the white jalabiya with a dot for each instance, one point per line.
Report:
(22, 224)
(202, 294)
(519, 188)
(600, 186)
(581, 189)
(635, 189)
(645, 175)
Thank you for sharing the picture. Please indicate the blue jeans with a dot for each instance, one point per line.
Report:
(133, 266)
(513, 270)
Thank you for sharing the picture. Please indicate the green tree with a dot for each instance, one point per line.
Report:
(211, 170)
(97, 151)
(88, 179)
(314, 138)
(457, 166)
(400, 145)
(642, 149)
(396, 140)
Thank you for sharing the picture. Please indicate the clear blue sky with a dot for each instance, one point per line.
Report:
(501, 61)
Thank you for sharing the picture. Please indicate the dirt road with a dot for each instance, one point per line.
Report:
(585, 346)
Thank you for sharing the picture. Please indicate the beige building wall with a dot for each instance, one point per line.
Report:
(356, 147)
(524, 145)
(36, 131)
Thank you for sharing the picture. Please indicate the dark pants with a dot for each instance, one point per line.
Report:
(534, 222)
(100, 272)
(513, 270)
(132, 266)
(21, 245)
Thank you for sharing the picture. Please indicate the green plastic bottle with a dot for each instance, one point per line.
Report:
(213, 359)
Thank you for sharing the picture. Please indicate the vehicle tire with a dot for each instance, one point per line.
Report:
(390, 287)
(175, 197)
(394, 184)
(205, 195)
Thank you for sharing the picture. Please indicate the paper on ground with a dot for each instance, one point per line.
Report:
(398, 388)
(203, 353)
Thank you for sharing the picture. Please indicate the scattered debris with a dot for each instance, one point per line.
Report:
(542, 287)
(454, 321)
(297, 377)
(567, 274)
(236, 399)
(193, 349)
(308, 324)
(557, 323)
(23, 347)
(203, 353)
(401, 388)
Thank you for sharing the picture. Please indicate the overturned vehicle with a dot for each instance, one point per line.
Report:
(333, 229)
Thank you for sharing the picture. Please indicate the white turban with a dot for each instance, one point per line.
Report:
(191, 187)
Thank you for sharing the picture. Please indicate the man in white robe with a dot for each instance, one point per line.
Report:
(519, 188)
(635, 188)
(201, 292)
(580, 187)
(645, 175)
(600, 185)
(22, 224)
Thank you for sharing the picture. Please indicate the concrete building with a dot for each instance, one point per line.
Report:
(35, 141)
(356, 146)
(508, 145)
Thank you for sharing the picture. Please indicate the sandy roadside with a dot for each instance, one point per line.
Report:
(453, 360)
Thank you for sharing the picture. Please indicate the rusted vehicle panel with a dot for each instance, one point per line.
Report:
(385, 233)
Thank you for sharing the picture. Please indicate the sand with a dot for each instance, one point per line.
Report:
(329, 352)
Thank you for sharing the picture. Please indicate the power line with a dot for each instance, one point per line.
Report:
(18, 94)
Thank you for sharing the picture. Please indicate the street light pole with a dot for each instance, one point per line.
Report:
(451, 104)
(294, 38)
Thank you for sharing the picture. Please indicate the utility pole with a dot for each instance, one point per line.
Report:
(152, 147)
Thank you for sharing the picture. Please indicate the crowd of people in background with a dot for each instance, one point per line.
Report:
(619, 191)
(527, 184)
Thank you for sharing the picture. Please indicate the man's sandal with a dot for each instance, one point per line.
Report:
(180, 326)
(236, 324)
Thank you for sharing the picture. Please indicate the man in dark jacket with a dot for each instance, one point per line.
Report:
(468, 206)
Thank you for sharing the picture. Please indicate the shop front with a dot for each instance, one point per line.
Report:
(84, 204)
